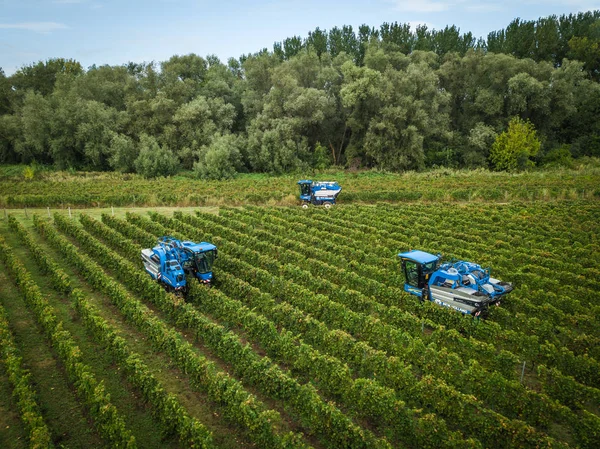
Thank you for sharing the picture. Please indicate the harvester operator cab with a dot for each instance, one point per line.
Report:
(305, 190)
(417, 267)
(198, 259)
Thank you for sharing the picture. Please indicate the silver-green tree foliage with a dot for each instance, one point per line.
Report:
(513, 149)
(221, 159)
(480, 139)
(155, 160)
(123, 153)
(395, 112)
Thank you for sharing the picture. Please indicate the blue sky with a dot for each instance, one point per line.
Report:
(115, 32)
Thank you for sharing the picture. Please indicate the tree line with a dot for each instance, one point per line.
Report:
(388, 98)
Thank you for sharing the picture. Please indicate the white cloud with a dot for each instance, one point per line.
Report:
(90, 3)
(433, 6)
(422, 5)
(38, 27)
(582, 5)
(590, 4)
(484, 7)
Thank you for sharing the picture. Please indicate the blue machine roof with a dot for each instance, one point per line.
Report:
(305, 181)
(419, 256)
(199, 247)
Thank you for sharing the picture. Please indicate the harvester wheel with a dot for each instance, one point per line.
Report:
(305, 206)
(327, 205)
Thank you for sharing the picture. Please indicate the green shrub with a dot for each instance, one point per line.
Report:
(513, 148)
(220, 160)
(154, 160)
(123, 153)
(559, 157)
(29, 172)
(321, 159)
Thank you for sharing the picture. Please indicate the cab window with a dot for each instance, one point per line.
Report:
(204, 261)
(305, 189)
(411, 272)
(429, 267)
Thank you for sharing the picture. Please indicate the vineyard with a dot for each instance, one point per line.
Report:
(308, 338)
(81, 189)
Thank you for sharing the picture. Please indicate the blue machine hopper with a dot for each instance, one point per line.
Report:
(171, 259)
(165, 269)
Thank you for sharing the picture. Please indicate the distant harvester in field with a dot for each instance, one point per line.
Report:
(318, 193)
